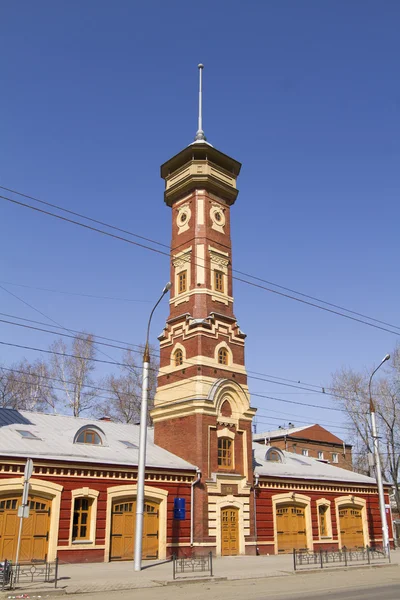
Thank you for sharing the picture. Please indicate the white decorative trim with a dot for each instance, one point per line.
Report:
(357, 502)
(200, 264)
(200, 207)
(84, 492)
(327, 503)
(183, 218)
(217, 209)
(229, 352)
(46, 489)
(150, 493)
(177, 346)
(294, 498)
(215, 506)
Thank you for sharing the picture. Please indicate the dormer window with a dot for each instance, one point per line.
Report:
(89, 436)
(274, 455)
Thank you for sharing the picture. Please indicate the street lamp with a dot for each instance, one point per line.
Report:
(378, 470)
(142, 442)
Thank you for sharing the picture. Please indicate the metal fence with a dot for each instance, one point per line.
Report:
(46, 572)
(194, 564)
(339, 558)
(6, 575)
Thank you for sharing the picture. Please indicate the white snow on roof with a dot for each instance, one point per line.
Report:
(56, 435)
(302, 467)
(279, 432)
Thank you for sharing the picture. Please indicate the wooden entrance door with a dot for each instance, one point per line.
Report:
(35, 529)
(229, 531)
(351, 527)
(123, 530)
(291, 528)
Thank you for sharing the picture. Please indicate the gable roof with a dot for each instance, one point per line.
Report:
(314, 433)
(55, 436)
(302, 467)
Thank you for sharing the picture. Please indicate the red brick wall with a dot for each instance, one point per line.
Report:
(296, 446)
(176, 530)
(265, 522)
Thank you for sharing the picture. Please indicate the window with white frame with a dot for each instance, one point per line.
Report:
(304, 452)
(83, 516)
(335, 457)
(320, 455)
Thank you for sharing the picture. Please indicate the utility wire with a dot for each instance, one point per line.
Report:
(42, 289)
(81, 216)
(287, 289)
(120, 364)
(47, 317)
(262, 376)
(130, 347)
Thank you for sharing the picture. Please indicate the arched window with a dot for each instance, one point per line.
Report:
(225, 452)
(89, 436)
(178, 357)
(223, 356)
(274, 455)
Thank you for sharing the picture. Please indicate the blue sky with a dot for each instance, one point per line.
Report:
(96, 95)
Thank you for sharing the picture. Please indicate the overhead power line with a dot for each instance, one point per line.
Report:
(336, 309)
(69, 293)
(81, 216)
(121, 364)
(131, 347)
(39, 377)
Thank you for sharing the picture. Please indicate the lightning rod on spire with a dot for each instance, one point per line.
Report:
(200, 133)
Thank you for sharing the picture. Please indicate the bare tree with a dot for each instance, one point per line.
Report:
(27, 386)
(6, 397)
(350, 389)
(74, 368)
(126, 389)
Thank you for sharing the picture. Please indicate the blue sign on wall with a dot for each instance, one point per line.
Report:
(179, 508)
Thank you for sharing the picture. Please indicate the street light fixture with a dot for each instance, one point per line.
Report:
(378, 470)
(143, 441)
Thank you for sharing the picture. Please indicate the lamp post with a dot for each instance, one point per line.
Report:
(143, 441)
(378, 470)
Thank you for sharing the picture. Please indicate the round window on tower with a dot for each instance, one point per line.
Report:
(217, 217)
(183, 217)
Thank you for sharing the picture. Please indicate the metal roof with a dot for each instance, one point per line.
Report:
(280, 432)
(297, 466)
(56, 435)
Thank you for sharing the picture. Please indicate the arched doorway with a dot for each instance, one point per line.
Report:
(35, 529)
(351, 526)
(123, 517)
(229, 531)
(291, 527)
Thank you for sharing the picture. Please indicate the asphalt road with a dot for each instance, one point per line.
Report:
(382, 592)
(354, 584)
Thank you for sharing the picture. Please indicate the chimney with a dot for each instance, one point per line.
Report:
(106, 418)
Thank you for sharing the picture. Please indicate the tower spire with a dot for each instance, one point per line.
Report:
(200, 137)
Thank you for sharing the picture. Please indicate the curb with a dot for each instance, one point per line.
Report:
(47, 593)
(337, 569)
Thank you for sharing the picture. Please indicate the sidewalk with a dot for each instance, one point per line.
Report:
(100, 577)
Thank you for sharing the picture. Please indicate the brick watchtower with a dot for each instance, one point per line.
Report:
(202, 409)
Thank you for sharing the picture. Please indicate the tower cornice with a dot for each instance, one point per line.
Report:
(197, 166)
